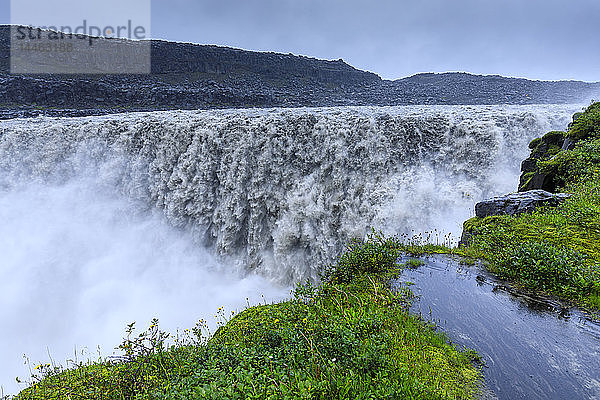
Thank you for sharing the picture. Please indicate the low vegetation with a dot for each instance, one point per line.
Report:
(587, 124)
(351, 337)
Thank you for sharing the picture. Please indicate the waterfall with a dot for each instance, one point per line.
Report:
(113, 219)
(279, 191)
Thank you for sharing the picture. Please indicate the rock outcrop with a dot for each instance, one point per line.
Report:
(511, 204)
(542, 149)
(518, 203)
(535, 170)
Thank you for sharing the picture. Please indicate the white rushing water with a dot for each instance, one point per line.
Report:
(114, 219)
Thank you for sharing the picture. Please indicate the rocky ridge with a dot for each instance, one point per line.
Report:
(191, 76)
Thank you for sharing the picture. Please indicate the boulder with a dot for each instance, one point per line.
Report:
(518, 203)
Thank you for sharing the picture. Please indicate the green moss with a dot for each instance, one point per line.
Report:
(478, 225)
(554, 137)
(525, 179)
(587, 124)
(552, 151)
(545, 151)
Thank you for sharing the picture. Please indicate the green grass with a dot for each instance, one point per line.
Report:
(553, 250)
(351, 337)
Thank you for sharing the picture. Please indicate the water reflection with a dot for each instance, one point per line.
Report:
(533, 348)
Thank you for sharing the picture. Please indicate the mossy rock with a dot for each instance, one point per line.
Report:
(554, 138)
(540, 180)
(543, 148)
(586, 124)
(552, 170)
(548, 146)
(570, 166)
(532, 177)
(525, 180)
(534, 143)
(552, 150)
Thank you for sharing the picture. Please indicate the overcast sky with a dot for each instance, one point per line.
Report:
(540, 39)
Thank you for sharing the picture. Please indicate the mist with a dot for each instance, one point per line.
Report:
(80, 262)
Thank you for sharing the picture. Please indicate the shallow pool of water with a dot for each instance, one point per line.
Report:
(532, 348)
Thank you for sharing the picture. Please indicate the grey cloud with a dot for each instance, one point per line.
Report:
(541, 39)
(545, 39)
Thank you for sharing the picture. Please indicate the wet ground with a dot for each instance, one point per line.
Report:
(532, 348)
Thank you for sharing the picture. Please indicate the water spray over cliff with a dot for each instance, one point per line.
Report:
(279, 191)
(108, 220)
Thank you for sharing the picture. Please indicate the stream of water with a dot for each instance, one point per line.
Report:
(532, 348)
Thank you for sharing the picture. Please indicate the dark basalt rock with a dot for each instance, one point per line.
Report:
(518, 203)
(543, 148)
(537, 181)
(569, 144)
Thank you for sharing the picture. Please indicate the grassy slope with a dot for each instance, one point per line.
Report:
(350, 338)
(553, 250)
